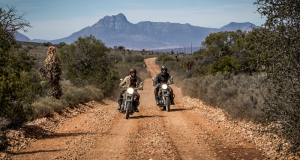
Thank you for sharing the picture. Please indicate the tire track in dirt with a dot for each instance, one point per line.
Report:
(225, 143)
(92, 135)
(197, 138)
(151, 140)
(114, 145)
(104, 133)
(178, 129)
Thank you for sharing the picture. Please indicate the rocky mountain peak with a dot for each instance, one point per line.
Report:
(116, 21)
(233, 26)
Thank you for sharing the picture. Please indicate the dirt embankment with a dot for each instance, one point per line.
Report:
(189, 131)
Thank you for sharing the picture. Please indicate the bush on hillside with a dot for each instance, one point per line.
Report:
(225, 64)
(238, 95)
(278, 49)
(115, 57)
(86, 62)
(134, 59)
(48, 44)
(18, 85)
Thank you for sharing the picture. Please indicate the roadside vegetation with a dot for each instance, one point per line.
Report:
(251, 75)
(38, 79)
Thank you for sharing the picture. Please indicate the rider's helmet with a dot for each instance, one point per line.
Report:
(164, 68)
(132, 70)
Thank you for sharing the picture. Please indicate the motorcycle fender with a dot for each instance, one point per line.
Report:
(168, 93)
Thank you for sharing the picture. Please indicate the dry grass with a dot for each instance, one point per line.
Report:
(239, 95)
(45, 106)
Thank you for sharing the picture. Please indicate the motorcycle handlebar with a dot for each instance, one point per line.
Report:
(159, 84)
(127, 87)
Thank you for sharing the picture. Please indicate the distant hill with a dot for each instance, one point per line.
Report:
(39, 40)
(179, 50)
(21, 37)
(117, 30)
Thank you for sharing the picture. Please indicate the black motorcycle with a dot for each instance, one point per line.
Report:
(164, 97)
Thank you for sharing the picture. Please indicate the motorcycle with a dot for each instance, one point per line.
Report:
(164, 96)
(128, 98)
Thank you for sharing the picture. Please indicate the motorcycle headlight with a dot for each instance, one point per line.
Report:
(164, 86)
(130, 90)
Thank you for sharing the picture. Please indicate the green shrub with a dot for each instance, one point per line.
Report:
(19, 86)
(164, 58)
(278, 48)
(160, 57)
(224, 64)
(87, 63)
(115, 56)
(137, 58)
(42, 107)
(74, 95)
(134, 59)
(48, 44)
(61, 44)
(29, 47)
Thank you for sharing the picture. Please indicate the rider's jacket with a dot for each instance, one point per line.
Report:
(131, 82)
(162, 78)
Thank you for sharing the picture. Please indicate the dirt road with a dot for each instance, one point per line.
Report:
(103, 133)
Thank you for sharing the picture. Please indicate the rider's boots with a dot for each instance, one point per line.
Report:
(136, 104)
(157, 101)
(172, 102)
(172, 99)
(136, 109)
(120, 103)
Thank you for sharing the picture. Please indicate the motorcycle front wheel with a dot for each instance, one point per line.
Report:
(128, 105)
(168, 104)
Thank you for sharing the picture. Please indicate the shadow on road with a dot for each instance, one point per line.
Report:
(138, 117)
(179, 109)
(32, 152)
(59, 135)
(40, 133)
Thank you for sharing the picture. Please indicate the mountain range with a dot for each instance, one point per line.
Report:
(116, 30)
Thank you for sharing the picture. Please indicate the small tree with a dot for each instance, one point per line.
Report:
(87, 62)
(53, 72)
(278, 48)
(19, 87)
(61, 44)
(121, 48)
(11, 21)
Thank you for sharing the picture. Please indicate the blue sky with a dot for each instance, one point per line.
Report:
(60, 18)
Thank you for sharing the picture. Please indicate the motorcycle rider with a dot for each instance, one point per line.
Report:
(160, 78)
(132, 81)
